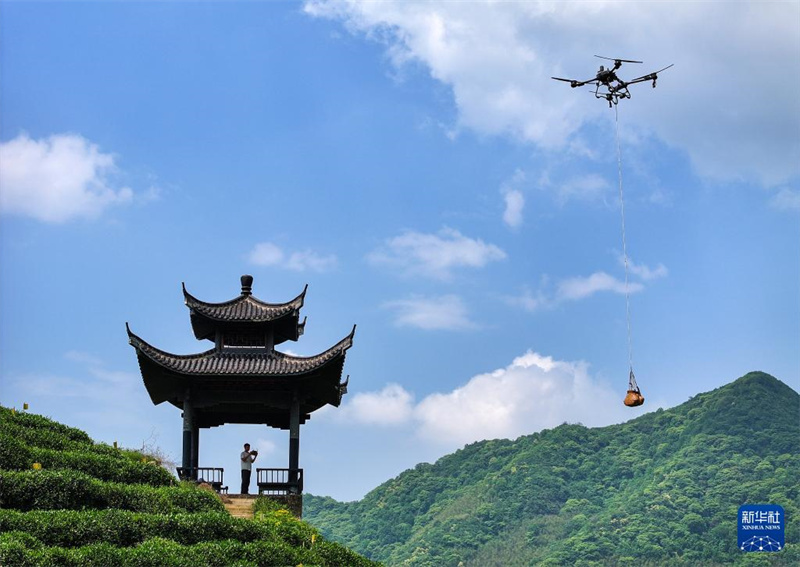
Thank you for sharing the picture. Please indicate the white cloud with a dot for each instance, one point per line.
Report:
(57, 179)
(97, 368)
(786, 200)
(391, 406)
(514, 199)
(582, 287)
(98, 390)
(265, 447)
(645, 272)
(269, 254)
(534, 392)
(435, 255)
(498, 57)
(265, 254)
(589, 187)
(577, 288)
(446, 312)
(515, 202)
(309, 260)
(531, 301)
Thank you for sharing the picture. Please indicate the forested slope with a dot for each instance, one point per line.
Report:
(662, 489)
(65, 500)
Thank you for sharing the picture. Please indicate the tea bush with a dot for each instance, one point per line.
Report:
(114, 466)
(34, 422)
(72, 528)
(263, 505)
(42, 437)
(22, 550)
(17, 548)
(74, 490)
(91, 537)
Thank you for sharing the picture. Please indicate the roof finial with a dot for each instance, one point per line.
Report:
(247, 285)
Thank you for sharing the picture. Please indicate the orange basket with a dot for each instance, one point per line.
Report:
(634, 397)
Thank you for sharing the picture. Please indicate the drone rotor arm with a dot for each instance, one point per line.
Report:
(650, 76)
(573, 83)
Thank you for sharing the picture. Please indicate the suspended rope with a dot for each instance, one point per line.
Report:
(634, 396)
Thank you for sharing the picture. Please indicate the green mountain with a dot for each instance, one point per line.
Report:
(65, 500)
(661, 489)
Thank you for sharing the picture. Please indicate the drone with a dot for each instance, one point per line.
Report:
(616, 88)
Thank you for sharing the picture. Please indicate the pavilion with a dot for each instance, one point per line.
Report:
(243, 378)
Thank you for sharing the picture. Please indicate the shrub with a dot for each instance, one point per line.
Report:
(16, 547)
(269, 553)
(72, 528)
(22, 549)
(113, 466)
(168, 499)
(41, 437)
(157, 551)
(28, 490)
(34, 422)
(190, 498)
(73, 490)
(334, 554)
(99, 555)
(14, 454)
(288, 528)
(221, 553)
(263, 505)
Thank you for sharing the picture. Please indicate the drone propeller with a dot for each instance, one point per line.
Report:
(621, 60)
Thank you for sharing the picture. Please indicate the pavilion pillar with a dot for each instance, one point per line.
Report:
(294, 438)
(195, 445)
(188, 426)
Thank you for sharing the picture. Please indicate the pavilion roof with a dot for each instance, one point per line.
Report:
(244, 385)
(241, 362)
(246, 311)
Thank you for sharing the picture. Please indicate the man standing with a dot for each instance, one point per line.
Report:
(248, 457)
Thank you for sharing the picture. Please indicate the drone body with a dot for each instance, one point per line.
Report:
(615, 88)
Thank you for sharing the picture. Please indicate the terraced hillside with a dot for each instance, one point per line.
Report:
(66, 500)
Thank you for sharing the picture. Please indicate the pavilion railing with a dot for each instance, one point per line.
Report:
(279, 481)
(212, 475)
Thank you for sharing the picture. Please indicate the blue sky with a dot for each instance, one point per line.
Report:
(416, 166)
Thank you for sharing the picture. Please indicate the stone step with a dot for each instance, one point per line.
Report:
(239, 505)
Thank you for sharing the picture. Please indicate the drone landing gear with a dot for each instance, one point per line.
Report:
(612, 98)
